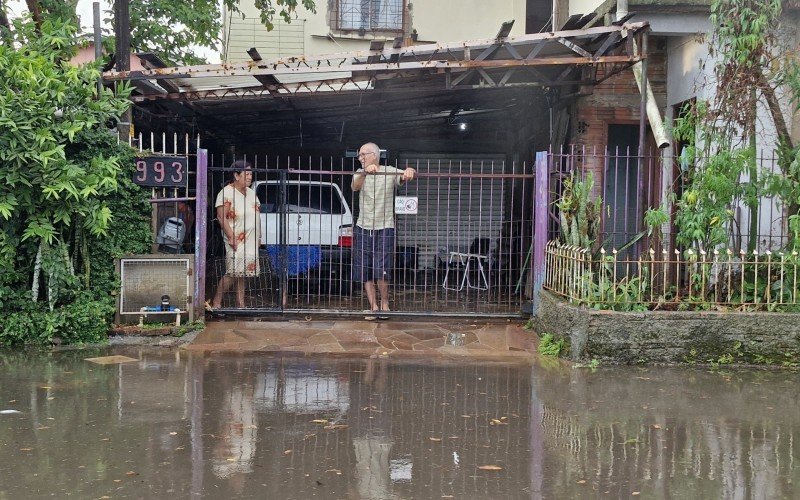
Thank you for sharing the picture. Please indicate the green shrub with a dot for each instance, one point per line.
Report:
(551, 346)
(68, 206)
(83, 321)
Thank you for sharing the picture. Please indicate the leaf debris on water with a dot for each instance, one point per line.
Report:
(110, 360)
(489, 467)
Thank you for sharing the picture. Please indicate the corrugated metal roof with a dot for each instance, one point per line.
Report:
(405, 86)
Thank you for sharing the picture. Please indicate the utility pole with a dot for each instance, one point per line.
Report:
(122, 52)
(98, 41)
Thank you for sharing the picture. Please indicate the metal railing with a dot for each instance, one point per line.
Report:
(463, 233)
(674, 280)
(628, 185)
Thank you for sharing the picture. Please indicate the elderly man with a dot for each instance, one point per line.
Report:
(373, 234)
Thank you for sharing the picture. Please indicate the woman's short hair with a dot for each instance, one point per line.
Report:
(240, 166)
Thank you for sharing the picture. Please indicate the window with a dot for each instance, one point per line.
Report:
(376, 15)
(301, 199)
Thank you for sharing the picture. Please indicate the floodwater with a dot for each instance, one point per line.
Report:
(172, 424)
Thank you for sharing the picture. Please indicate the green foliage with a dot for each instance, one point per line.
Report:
(83, 321)
(705, 209)
(603, 293)
(580, 216)
(130, 231)
(592, 365)
(654, 218)
(770, 288)
(193, 326)
(625, 295)
(66, 198)
(551, 346)
(48, 109)
(784, 185)
(175, 29)
(743, 39)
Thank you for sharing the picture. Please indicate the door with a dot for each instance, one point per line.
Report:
(621, 188)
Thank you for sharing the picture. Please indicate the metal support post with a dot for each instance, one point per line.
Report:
(540, 227)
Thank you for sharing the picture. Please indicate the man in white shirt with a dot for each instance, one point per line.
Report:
(373, 234)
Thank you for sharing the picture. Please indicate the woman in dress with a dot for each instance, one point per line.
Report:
(238, 213)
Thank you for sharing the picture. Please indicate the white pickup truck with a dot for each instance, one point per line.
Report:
(312, 214)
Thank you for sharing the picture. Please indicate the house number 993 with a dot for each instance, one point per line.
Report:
(161, 171)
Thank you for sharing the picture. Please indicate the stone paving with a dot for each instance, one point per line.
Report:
(455, 339)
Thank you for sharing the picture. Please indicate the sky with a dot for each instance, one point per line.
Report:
(18, 7)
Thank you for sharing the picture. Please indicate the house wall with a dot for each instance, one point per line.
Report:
(85, 55)
(454, 20)
(434, 20)
(691, 75)
(583, 6)
(616, 101)
(685, 79)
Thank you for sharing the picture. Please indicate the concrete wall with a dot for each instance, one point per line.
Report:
(434, 20)
(454, 20)
(583, 6)
(670, 336)
(685, 79)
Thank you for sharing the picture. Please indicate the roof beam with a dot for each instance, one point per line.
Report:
(373, 68)
(356, 61)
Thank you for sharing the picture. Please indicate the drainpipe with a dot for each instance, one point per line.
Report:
(650, 105)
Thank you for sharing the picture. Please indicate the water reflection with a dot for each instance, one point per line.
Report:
(220, 426)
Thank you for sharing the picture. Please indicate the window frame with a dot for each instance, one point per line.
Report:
(337, 20)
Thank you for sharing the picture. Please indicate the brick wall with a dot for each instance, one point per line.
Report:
(617, 101)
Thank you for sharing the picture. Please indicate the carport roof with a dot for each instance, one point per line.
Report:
(413, 83)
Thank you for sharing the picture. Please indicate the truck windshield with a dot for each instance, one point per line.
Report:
(301, 198)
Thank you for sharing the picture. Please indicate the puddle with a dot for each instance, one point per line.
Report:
(172, 423)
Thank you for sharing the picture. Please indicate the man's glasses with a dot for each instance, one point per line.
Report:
(362, 155)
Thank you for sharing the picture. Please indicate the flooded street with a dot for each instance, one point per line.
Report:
(171, 423)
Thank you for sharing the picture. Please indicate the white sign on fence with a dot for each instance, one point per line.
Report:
(406, 205)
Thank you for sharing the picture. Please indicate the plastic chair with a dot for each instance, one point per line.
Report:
(477, 255)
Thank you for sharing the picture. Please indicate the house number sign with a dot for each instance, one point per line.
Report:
(161, 171)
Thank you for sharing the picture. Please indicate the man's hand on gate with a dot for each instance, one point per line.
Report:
(409, 174)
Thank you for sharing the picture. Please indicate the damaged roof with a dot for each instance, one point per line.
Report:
(260, 100)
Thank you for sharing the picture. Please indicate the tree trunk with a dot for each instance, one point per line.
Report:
(36, 13)
(5, 26)
(775, 110)
(37, 267)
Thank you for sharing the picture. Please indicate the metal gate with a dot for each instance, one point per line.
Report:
(463, 236)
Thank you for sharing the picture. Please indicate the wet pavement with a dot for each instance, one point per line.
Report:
(452, 339)
(171, 422)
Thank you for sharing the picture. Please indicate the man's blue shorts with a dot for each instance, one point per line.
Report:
(373, 254)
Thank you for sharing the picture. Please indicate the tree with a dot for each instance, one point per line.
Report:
(751, 65)
(173, 29)
(51, 190)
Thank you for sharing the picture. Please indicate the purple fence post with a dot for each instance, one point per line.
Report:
(540, 207)
(201, 232)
